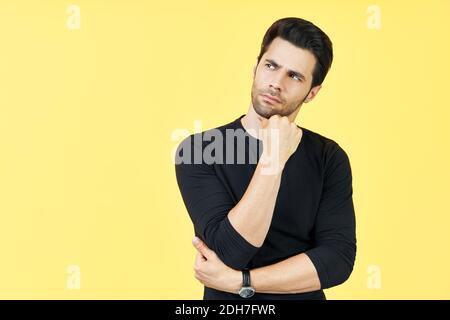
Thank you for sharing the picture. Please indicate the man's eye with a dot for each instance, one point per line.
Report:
(268, 65)
(294, 76)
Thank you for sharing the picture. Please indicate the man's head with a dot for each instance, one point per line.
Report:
(294, 59)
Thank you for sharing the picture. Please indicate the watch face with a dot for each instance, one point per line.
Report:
(246, 292)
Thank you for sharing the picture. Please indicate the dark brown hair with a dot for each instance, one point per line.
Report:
(305, 35)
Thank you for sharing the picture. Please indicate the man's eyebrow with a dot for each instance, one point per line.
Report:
(295, 73)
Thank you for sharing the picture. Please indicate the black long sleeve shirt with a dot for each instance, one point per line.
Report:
(314, 212)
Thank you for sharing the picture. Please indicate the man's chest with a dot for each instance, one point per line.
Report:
(298, 197)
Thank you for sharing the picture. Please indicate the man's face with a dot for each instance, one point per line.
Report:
(285, 74)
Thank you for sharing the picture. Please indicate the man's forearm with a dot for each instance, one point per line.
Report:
(296, 274)
(252, 216)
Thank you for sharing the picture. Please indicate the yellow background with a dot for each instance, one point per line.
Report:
(87, 116)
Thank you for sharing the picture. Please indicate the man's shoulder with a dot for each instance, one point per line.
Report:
(200, 139)
(316, 139)
(322, 145)
(193, 144)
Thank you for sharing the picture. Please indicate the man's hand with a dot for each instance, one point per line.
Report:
(280, 139)
(212, 272)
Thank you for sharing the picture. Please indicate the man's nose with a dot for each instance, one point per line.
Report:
(276, 81)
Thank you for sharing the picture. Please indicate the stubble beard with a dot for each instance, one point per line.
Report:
(266, 111)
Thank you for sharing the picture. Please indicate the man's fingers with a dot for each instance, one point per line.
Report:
(198, 259)
(202, 248)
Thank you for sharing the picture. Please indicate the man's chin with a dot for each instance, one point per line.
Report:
(266, 113)
(263, 114)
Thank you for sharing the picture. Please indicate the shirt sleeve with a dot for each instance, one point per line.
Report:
(208, 204)
(334, 250)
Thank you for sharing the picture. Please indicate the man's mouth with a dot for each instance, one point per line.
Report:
(271, 99)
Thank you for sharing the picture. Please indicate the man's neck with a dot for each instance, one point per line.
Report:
(252, 122)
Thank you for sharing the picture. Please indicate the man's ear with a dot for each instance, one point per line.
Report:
(312, 93)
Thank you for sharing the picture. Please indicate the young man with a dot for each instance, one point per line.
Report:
(278, 222)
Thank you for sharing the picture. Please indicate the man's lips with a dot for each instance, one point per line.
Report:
(271, 98)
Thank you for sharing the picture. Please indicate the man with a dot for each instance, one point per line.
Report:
(281, 226)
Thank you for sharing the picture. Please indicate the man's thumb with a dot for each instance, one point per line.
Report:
(200, 246)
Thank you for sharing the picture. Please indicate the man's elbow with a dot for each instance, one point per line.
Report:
(233, 256)
(347, 271)
(344, 266)
(233, 252)
(333, 263)
(231, 248)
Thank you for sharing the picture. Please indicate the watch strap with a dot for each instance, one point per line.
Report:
(246, 278)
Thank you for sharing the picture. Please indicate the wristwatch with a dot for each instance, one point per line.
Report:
(247, 290)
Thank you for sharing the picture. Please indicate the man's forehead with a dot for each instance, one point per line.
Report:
(291, 57)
